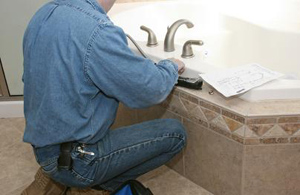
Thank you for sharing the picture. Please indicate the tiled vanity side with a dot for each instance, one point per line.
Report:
(213, 161)
(266, 146)
(247, 130)
(272, 169)
(228, 153)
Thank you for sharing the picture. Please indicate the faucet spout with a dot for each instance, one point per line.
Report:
(169, 39)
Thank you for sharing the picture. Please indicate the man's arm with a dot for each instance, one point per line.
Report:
(119, 73)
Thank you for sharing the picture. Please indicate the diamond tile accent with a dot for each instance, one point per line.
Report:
(290, 128)
(210, 115)
(232, 124)
(260, 129)
(275, 131)
(197, 113)
(249, 133)
(245, 132)
(188, 105)
(297, 133)
(175, 105)
(248, 130)
(197, 116)
(219, 122)
(240, 132)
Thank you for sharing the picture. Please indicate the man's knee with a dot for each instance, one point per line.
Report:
(177, 127)
(177, 131)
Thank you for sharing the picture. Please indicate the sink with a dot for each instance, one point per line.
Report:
(194, 66)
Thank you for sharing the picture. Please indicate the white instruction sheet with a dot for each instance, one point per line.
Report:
(239, 79)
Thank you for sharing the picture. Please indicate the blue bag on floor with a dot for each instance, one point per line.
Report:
(132, 187)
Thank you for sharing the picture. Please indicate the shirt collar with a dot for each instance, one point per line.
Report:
(96, 5)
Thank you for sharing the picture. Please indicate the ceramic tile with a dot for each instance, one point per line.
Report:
(168, 182)
(9, 134)
(260, 129)
(272, 170)
(233, 116)
(297, 133)
(195, 113)
(175, 105)
(177, 163)
(220, 130)
(241, 107)
(249, 133)
(19, 167)
(274, 140)
(290, 128)
(275, 131)
(210, 115)
(210, 106)
(125, 116)
(213, 161)
(232, 124)
(252, 141)
(240, 132)
(274, 107)
(189, 105)
(155, 112)
(295, 140)
(220, 123)
(261, 121)
(17, 159)
(237, 138)
(189, 98)
(289, 120)
(18, 123)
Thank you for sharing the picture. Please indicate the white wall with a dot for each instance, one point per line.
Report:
(14, 17)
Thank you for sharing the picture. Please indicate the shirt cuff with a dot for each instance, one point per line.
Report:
(169, 62)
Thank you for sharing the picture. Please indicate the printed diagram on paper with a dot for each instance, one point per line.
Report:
(240, 79)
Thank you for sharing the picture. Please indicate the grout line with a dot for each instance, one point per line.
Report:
(243, 171)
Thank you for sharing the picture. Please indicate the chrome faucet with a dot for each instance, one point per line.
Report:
(187, 51)
(152, 41)
(169, 39)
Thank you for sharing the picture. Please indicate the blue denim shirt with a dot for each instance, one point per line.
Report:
(77, 68)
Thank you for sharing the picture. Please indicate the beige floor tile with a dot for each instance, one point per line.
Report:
(167, 182)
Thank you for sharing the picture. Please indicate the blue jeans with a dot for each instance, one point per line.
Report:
(123, 154)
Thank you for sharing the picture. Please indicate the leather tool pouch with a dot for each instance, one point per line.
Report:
(65, 160)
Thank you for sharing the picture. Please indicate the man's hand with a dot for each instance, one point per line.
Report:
(181, 65)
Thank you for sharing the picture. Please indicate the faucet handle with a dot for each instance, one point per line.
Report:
(152, 41)
(187, 51)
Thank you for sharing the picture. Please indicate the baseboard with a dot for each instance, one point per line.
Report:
(11, 109)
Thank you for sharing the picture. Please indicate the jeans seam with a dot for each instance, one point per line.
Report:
(49, 161)
(80, 177)
(139, 144)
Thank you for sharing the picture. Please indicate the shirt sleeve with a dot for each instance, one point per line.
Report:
(119, 73)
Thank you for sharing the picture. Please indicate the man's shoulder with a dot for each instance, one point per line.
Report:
(81, 12)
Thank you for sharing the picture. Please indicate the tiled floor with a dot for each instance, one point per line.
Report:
(18, 166)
